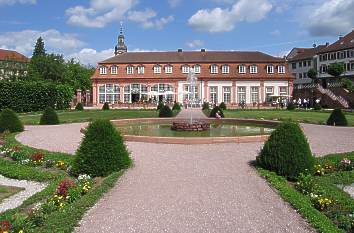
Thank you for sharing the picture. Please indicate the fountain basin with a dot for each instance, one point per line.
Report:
(188, 126)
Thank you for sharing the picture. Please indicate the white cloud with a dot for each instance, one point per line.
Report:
(195, 44)
(99, 13)
(222, 20)
(55, 41)
(147, 19)
(13, 2)
(174, 3)
(276, 32)
(88, 56)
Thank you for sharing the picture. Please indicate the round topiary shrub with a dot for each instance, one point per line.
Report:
(176, 107)
(165, 111)
(159, 106)
(291, 106)
(215, 110)
(287, 151)
(317, 107)
(49, 117)
(222, 106)
(101, 152)
(337, 118)
(205, 106)
(9, 121)
(105, 106)
(79, 107)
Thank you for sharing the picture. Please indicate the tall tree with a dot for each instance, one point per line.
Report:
(312, 74)
(78, 76)
(39, 49)
(336, 69)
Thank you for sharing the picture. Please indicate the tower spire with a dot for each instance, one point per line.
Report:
(121, 47)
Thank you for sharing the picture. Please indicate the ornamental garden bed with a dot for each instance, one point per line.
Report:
(8, 191)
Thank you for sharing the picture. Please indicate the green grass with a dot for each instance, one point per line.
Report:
(71, 116)
(314, 117)
(8, 191)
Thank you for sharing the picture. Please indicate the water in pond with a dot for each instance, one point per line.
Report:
(216, 130)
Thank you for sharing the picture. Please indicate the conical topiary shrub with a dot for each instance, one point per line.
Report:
(10, 121)
(79, 107)
(176, 107)
(165, 111)
(159, 106)
(49, 117)
(101, 152)
(205, 106)
(222, 106)
(337, 118)
(215, 110)
(105, 106)
(287, 151)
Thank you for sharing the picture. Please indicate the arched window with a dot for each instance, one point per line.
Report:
(196, 69)
(103, 70)
(168, 69)
(114, 70)
(141, 69)
(253, 69)
(214, 69)
(157, 69)
(130, 69)
(241, 69)
(185, 69)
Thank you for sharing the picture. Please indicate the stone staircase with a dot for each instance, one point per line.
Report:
(333, 96)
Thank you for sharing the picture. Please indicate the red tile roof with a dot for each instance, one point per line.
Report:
(191, 57)
(12, 55)
(307, 53)
(346, 42)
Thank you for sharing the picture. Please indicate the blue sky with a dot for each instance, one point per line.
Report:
(87, 30)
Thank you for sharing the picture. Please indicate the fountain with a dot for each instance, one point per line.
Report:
(191, 125)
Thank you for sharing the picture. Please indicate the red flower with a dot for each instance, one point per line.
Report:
(5, 225)
(37, 156)
(16, 148)
(64, 186)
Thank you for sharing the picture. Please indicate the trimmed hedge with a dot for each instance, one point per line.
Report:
(205, 106)
(102, 151)
(165, 111)
(216, 110)
(159, 106)
(291, 106)
(337, 118)
(79, 107)
(49, 117)
(287, 151)
(176, 107)
(10, 121)
(317, 107)
(34, 96)
(105, 106)
(222, 106)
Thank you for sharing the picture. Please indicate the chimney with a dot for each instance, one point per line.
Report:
(314, 45)
(202, 50)
(180, 50)
(340, 37)
(327, 43)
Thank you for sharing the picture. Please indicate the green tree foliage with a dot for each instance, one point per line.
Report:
(49, 117)
(348, 84)
(337, 118)
(39, 49)
(222, 106)
(165, 111)
(215, 110)
(205, 106)
(159, 106)
(105, 106)
(79, 107)
(287, 151)
(10, 121)
(50, 67)
(176, 107)
(312, 74)
(336, 69)
(102, 151)
(77, 76)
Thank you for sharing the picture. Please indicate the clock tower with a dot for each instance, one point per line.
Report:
(120, 47)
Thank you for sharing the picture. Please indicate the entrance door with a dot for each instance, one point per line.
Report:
(160, 98)
(135, 98)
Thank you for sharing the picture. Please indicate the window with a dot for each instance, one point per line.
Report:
(114, 70)
(254, 94)
(168, 69)
(185, 69)
(197, 69)
(109, 93)
(214, 69)
(242, 69)
(281, 69)
(227, 95)
(103, 70)
(283, 91)
(241, 91)
(269, 93)
(308, 63)
(304, 63)
(352, 65)
(253, 69)
(213, 95)
(270, 69)
(130, 69)
(225, 69)
(300, 64)
(304, 75)
(300, 75)
(157, 69)
(141, 69)
(293, 65)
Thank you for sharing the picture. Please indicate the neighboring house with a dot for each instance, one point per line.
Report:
(301, 60)
(12, 64)
(342, 51)
(223, 76)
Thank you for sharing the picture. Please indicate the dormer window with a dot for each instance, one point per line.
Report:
(253, 69)
(130, 70)
(214, 69)
(103, 70)
(241, 69)
(281, 69)
(157, 69)
(185, 69)
(225, 69)
(168, 69)
(141, 69)
(114, 70)
(270, 69)
(196, 69)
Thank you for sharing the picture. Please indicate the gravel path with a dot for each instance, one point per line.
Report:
(186, 114)
(17, 199)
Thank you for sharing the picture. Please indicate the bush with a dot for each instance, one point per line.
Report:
(317, 107)
(101, 152)
(49, 117)
(9, 121)
(291, 106)
(287, 151)
(79, 107)
(105, 106)
(205, 106)
(222, 106)
(176, 107)
(337, 118)
(159, 106)
(165, 111)
(216, 110)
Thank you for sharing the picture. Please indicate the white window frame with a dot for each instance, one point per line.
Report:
(141, 69)
(242, 92)
(103, 70)
(114, 69)
(214, 69)
(253, 92)
(213, 91)
(130, 69)
(185, 69)
(168, 69)
(197, 69)
(281, 69)
(225, 69)
(242, 69)
(157, 69)
(227, 92)
(253, 69)
(282, 93)
(270, 69)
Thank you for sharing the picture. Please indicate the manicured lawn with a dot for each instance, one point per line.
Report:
(8, 191)
(71, 116)
(316, 117)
